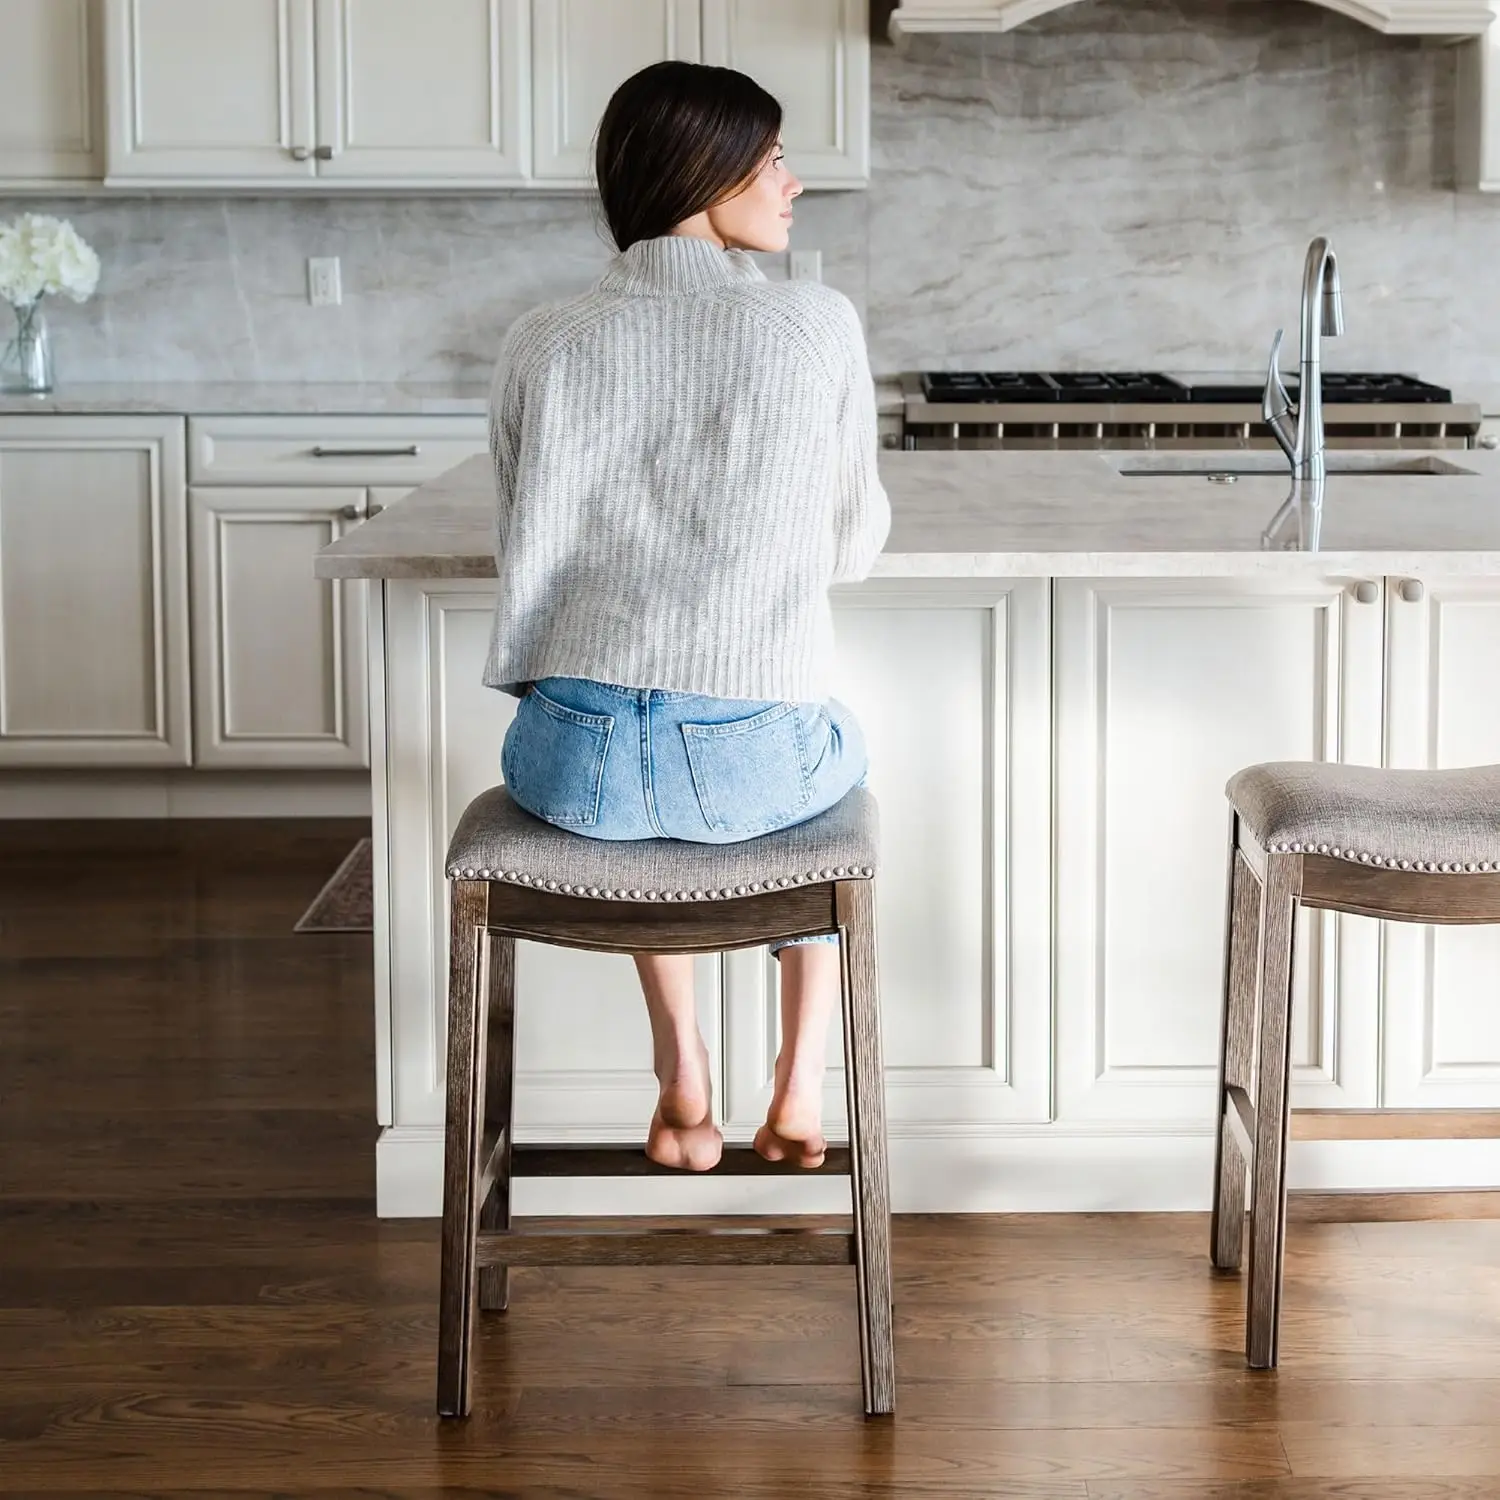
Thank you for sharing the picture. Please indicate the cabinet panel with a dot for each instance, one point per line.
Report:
(93, 607)
(216, 93)
(582, 50)
(814, 55)
(431, 92)
(1164, 690)
(1441, 1001)
(278, 655)
(583, 1043)
(964, 888)
(48, 131)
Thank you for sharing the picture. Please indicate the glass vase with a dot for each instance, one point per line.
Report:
(26, 361)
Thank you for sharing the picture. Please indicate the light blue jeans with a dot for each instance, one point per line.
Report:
(639, 763)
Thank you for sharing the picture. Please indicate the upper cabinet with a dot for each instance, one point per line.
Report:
(254, 91)
(582, 51)
(49, 128)
(814, 55)
(323, 95)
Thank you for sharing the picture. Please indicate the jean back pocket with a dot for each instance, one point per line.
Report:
(553, 760)
(751, 775)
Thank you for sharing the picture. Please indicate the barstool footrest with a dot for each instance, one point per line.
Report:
(569, 1160)
(762, 1246)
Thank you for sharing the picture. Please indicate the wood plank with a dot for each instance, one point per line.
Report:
(1395, 1124)
(1403, 895)
(1352, 1207)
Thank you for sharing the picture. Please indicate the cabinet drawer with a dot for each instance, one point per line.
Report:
(330, 450)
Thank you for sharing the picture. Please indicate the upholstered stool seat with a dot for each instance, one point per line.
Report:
(1443, 822)
(1404, 846)
(513, 876)
(496, 840)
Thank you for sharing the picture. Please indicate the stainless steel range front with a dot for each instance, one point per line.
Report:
(1135, 409)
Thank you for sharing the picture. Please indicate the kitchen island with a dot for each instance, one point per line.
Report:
(1058, 661)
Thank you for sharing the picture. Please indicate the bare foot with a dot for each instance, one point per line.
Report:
(683, 1134)
(794, 1123)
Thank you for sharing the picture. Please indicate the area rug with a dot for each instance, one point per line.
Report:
(347, 902)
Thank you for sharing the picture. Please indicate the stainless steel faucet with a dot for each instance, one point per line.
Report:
(1299, 429)
(1322, 317)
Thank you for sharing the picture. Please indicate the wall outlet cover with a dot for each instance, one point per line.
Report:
(323, 285)
(805, 265)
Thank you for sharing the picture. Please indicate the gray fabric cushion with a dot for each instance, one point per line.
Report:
(496, 840)
(1443, 821)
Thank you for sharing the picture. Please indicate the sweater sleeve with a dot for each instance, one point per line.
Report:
(862, 511)
(505, 435)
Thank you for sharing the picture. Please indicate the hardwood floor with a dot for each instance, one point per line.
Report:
(196, 1298)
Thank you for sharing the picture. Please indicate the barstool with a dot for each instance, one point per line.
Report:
(1408, 846)
(513, 876)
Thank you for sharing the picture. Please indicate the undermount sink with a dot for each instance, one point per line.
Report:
(1226, 469)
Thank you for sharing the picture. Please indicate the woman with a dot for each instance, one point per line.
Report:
(684, 461)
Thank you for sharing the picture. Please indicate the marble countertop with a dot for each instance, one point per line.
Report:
(998, 514)
(250, 398)
(458, 398)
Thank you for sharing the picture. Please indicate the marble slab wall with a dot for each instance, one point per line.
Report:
(1124, 183)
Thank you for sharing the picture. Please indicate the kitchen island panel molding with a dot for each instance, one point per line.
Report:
(1164, 690)
(1441, 985)
(963, 895)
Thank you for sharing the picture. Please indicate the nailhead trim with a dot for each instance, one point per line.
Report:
(780, 882)
(1387, 861)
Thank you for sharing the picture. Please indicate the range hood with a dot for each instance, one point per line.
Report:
(1475, 24)
(1453, 19)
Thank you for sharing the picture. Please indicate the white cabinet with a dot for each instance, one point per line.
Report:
(1165, 689)
(93, 592)
(218, 94)
(423, 94)
(582, 50)
(49, 128)
(253, 91)
(1441, 985)
(324, 94)
(964, 893)
(1478, 111)
(814, 55)
(279, 677)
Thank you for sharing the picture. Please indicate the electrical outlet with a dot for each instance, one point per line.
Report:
(805, 265)
(323, 289)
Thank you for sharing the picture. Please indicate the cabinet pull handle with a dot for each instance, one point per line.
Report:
(300, 153)
(410, 451)
(1412, 590)
(351, 512)
(323, 153)
(1366, 592)
(375, 510)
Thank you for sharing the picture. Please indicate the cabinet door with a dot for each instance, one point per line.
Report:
(93, 592)
(582, 50)
(583, 1043)
(48, 129)
(1164, 690)
(278, 655)
(1441, 1002)
(814, 55)
(964, 892)
(425, 94)
(218, 93)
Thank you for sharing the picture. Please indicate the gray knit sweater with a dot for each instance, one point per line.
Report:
(684, 461)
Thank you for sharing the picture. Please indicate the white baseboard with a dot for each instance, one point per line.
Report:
(1103, 1173)
(184, 793)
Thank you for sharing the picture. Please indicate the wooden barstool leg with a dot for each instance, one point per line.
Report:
(869, 1169)
(1279, 900)
(461, 1165)
(499, 1106)
(1236, 1054)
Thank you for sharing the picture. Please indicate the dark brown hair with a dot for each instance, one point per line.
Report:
(677, 138)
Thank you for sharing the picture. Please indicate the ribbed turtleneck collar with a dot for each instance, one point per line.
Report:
(677, 263)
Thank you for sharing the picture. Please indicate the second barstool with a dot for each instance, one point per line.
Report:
(1407, 846)
(513, 876)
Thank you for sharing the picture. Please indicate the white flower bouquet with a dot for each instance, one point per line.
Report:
(39, 256)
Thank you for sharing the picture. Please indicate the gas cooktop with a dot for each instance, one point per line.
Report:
(996, 386)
